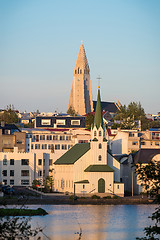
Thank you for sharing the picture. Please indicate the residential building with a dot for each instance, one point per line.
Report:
(10, 137)
(20, 169)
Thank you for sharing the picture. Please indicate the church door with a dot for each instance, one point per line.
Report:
(101, 185)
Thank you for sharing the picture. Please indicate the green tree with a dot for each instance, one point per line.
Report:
(150, 178)
(129, 116)
(35, 183)
(49, 183)
(71, 111)
(9, 116)
(89, 119)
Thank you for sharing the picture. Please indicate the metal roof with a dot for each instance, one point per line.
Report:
(99, 168)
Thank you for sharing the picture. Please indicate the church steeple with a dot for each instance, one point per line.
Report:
(98, 119)
(81, 95)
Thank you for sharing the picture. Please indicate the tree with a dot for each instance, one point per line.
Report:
(9, 115)
(71, 111)
(89, 119)
(150, 178)
(49, 183)
(35, 183)
(131, 115)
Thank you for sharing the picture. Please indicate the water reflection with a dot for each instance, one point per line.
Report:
(121, 222)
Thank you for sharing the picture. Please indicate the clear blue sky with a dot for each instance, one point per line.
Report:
(40, 40)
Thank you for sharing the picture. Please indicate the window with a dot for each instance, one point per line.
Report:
(42, 137)
(64, 146)
(50, 162)
(24, 161)
(157, 143)
(62, 138)
(43, 172)
(44, 162)
(55, 137)
(24, 173)
(4, 172)
(95, 134)
(131, 134)
(46, 121)
(100, 145)
(39, 173)
(38, 146)
(99, 158)
(4, 161)
(35, 146)
(12, 182)
(57, 146)
(83, 186)
(60, 122)
(69, 146)
(134, 143)
(11, 173)
(75, 122)
(100, 133)
(24, 182)
(117, 186)
(39, 161)
(143, 143)
(11, 161)
(5, 181)
(31, 146)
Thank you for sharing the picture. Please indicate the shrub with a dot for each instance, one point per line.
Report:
(107, 197)
(95, 197)
(115, 197)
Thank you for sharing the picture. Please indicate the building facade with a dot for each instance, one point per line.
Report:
(81, 95)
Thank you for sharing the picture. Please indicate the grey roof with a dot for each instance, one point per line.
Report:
(145, 155)
(99, 168)
(73, 154)
(106, 106)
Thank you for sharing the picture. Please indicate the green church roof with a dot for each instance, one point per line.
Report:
(99, 168)
(73, 154)
(98, 119)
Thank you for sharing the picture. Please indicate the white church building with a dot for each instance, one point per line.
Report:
(89, 168)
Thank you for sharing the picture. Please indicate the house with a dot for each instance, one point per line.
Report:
(10, 137)
(128, 168)
(89, 167)
(20, 169)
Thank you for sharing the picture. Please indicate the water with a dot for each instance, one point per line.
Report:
(100, 222)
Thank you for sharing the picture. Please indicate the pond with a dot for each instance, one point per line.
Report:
(98, 222)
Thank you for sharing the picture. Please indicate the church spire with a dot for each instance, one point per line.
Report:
(98, 119)
(81, 95)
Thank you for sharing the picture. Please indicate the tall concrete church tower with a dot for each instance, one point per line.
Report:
(81, 95)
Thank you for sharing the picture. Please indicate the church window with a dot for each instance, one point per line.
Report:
(100, 145)
(117, 186)
(80, 71)
(83, 186)
(99, 158)
(100, 133)
(95, 134)
(75, 71)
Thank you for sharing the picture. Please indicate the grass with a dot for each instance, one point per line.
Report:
(21, 212)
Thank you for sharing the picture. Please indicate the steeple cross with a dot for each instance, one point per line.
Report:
(99, 78)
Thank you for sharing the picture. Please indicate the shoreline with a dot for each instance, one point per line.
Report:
(60, 201)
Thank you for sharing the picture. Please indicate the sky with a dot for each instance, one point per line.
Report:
(40, 41)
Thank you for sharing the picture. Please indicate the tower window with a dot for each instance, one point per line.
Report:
(100, 146)
(95, 134)
(78, 70)
(100, 133)
(75, 71)
(99, 158)
(81, 71)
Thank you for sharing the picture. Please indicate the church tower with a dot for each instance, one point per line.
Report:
(81, 95)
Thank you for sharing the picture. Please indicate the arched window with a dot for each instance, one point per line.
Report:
(75, 71)
(99, 158)
(80, 71)
(95, 134)
(100, 145)
(100, 133)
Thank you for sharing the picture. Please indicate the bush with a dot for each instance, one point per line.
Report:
(95, 197)
(107, 197)
(115, 197)
(73, 197)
